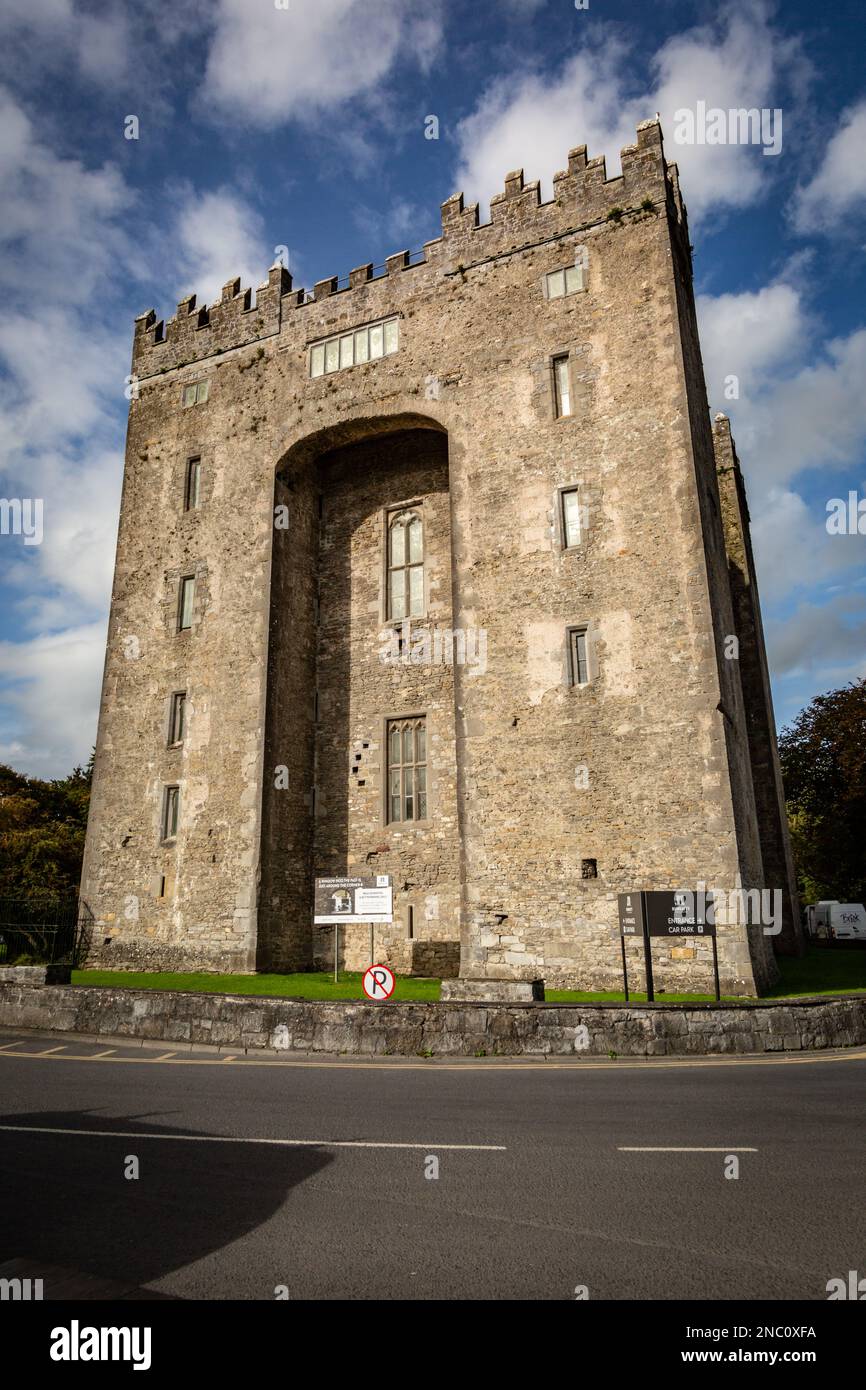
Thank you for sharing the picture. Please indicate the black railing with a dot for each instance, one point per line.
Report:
(42, 931)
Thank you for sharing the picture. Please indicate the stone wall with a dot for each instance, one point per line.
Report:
(443, 1030)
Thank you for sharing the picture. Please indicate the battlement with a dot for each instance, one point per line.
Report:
(583, 197)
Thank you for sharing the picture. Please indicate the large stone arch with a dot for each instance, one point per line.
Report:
(329, 694)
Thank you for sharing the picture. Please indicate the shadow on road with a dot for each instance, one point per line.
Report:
(66, 1200)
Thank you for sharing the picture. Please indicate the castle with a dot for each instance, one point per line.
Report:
(441, 572)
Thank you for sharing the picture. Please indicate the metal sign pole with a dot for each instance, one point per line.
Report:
(624, 966)
(372, 956)
(647, 953)
(716, 969)
(336, 949)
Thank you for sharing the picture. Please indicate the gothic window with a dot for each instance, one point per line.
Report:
(407, 769)
(405, 564)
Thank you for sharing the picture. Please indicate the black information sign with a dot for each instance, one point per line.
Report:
(671, 913)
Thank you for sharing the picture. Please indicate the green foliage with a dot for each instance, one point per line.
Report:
(42, 827)
(823, 755)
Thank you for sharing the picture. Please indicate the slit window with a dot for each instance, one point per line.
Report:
(578, 663)
(177, 720)
(569, 502)
(365, 344)
(192, 495)
(405, 564)
(196, 393)
(170, 812)
(185, 605)
(407, 770)
(561, 391)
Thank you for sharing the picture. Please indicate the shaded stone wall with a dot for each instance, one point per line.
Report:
(236, 1023)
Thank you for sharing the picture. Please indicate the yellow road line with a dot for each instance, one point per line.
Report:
(599, 1065)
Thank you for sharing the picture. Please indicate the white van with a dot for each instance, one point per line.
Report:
(836, 921)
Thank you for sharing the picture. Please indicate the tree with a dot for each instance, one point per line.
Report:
(823, 756)
(42, 827)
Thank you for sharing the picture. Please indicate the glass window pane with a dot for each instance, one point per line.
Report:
(362, 346)
(391, 335)
(347, 358)
(555, 285)
(572, 279)
(408, 793)
(189, 395)
(571, 516)
(415, 540)
(395, 808)
(317, 360)
(186, 601)
(202, 390)
(376, 341)
(408, 755)
(421, 743)
(332, 355)
(398, 543)
(394, 751)
(563, 401)
(421, 788)
(397, 596)
(416, 590)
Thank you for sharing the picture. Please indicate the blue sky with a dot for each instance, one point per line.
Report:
(305, 127)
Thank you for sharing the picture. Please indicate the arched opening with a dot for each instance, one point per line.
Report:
(360, 755)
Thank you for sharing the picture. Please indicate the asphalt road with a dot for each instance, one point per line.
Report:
(544, 1199)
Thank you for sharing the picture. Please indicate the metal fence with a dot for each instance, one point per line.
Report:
(45, 931)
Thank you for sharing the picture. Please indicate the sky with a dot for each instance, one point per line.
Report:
(304, 124)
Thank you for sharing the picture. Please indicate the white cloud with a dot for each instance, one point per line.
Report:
(52, 699)
(266, 66)
(839, 182)
(793, 549)
(216, 237)
(827, 638)
(750, 336)
(532, 120)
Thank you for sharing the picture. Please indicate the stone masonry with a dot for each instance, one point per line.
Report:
(553, 781)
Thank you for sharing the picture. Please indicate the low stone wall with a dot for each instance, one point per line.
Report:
(441, 1029)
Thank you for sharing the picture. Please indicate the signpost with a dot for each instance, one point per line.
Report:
(349, 899)
(671, 913)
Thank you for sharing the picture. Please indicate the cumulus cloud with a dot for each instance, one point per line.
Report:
(739, 60)
(266, 66)
(217, 236)
(839, 182)
(829, 638)
(51, 733)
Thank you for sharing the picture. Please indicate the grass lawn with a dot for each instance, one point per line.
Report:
(319, 985)
(832, 971)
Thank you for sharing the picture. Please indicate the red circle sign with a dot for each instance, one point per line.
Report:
(378, 982)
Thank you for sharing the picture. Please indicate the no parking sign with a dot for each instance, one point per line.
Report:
(378, 982)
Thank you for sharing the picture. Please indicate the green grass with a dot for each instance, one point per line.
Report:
(319, 985)
(832, 971)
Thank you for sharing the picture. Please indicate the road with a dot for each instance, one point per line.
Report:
(546, 1176)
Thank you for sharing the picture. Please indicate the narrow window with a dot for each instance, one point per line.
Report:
(577, 656)
(405, 565)
(170, 812)
(562, 395)
(192, 498)
(407, 770)
(202, 391)
(562, 282)
(570, 517)
(187, 596)
(177, 721)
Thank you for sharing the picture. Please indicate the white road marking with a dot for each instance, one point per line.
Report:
(235, 1139)
(646, 1149)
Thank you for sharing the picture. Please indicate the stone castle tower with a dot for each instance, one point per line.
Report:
(441, 571)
